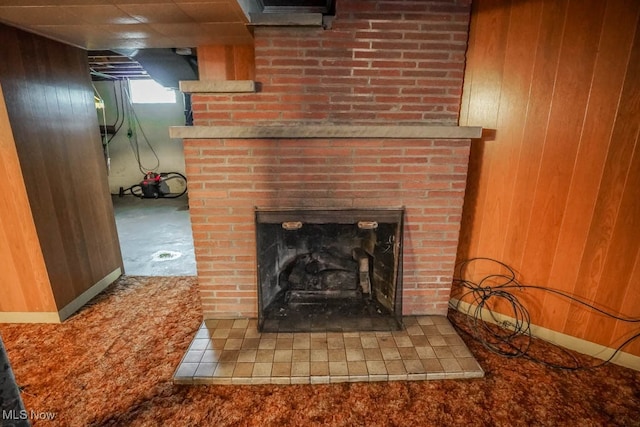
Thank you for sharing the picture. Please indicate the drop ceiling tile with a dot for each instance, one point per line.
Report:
(143, 43)
(207, 39)
(133, 31)
(103, 24)
(211, 12)
(203, 1)
(121, 2)
(76, 35)
(177, 30)
(102, 14)
(37, 15)
(104, 36)
(71, 30)
(225, 29)
(52, 2)
(156, 13)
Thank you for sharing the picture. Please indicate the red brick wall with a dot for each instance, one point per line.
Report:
(399, 62)
(228, 178)
(382, 63)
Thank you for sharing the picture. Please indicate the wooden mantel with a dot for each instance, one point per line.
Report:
(326, 131)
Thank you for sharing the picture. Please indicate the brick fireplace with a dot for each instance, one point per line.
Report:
(359, 116)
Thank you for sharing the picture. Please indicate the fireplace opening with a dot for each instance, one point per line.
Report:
(329, 270)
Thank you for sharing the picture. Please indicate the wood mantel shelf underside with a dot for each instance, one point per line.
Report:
(326, 131)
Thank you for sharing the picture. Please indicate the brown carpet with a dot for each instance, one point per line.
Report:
(111, 364)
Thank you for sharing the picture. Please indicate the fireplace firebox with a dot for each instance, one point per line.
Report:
(329, 269)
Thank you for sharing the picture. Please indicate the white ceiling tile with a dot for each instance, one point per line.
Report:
(52, 2)
(102, 14)
(120, 2)
(37, 15)
(226, 29)
(152, 23)
(211, 12)
(130, 43)
(156, 13)
(175, 30)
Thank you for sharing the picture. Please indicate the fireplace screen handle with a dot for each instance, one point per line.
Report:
(367, 225)
(292, 225)
(297, 225)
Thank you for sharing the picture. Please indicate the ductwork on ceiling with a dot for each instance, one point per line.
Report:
(166, 66)
(257, 7)
(326, 7)
(170, 66)
(297, 13)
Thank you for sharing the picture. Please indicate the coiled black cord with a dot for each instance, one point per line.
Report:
(514, 339)
(168, 176)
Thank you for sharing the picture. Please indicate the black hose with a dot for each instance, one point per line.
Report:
(177, 175)
(123, 192)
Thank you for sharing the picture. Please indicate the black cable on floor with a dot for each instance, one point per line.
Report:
(514, 338)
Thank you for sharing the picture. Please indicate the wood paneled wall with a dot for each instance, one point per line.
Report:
(554, 187)
(52, 114)
(19, 263)
(226, 62)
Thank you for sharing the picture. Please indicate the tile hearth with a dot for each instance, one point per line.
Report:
(232, 351)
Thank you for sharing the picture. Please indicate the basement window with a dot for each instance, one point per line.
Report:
(151, 92)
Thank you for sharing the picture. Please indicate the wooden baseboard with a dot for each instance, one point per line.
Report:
(65, 312)
(567, 341)
(29, 317)
(87, 295)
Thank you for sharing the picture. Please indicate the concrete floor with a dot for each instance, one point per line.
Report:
(155, 236)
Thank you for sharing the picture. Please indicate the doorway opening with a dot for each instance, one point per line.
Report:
(146, 175)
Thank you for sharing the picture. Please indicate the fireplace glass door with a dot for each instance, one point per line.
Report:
(329, 270)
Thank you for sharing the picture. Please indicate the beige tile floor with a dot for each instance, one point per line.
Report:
(232, 351)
